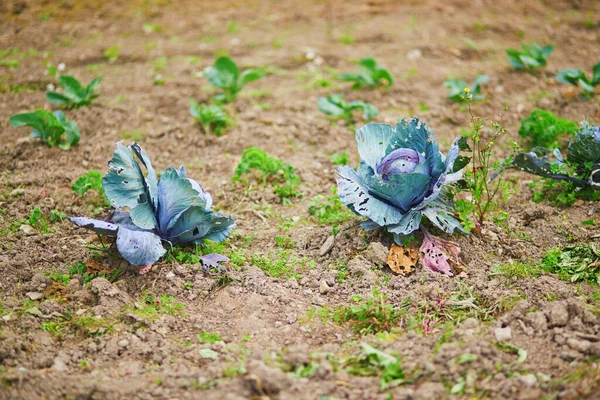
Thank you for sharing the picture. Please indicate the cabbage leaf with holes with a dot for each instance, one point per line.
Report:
(151, 211)
(402, 178)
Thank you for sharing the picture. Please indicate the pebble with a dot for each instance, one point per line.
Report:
(323, 287)
(528, 380)
(27, 229)
(123, 343)
(208, 353)
(170, 275)
(59, 365)
(414, 54)
(503, 334)
(34, 295)
(327, 246)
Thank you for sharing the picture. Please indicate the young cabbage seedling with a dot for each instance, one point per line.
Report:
(212, 117)
(370, 76)
(531, 57)
(577, 77)
(335, 106)
(74, 94)
(457, 88)
(225, 75)
(49, 127)
(149, 211)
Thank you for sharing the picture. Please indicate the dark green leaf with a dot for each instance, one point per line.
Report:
(57, 98)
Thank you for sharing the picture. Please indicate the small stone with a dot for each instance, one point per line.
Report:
(414, 54)
(59, 365)
(170, 275)
(327, 246)
(376, 253)
(528, 380)
(209, 354)
(27, 229)
(81, 311)
(123, 343)
(323, 287)
(34, 295)
(503, 334)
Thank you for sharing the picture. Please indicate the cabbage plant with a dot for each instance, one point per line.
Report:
(402, 179)
(581, 166)
(150, 211)
(225, 75)
(49, 127)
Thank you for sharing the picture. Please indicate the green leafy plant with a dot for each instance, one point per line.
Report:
(544, 128)
(269, 170)
(574, 263)
(49, 127)
(91, 180)
(530, 57)
(335, 106)
(212, 117)
(577, 77)
(373, 362)
(458, 87)
(370, 75)
(225, 75)
(74, 94)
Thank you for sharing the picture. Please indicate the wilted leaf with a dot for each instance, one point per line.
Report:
(402, 259)
(440, 255)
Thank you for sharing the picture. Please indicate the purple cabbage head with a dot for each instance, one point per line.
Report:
(400, 179)
(150, 211)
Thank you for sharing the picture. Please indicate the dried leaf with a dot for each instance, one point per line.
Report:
(402, 259)
(440, 255)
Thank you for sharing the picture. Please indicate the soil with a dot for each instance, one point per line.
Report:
(264, 322)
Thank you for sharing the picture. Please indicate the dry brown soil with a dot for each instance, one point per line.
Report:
(102, 345)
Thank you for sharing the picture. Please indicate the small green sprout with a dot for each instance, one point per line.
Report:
(74, 94)
(370, 76)
(531, 57)
(212, 117)
(335, 106)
